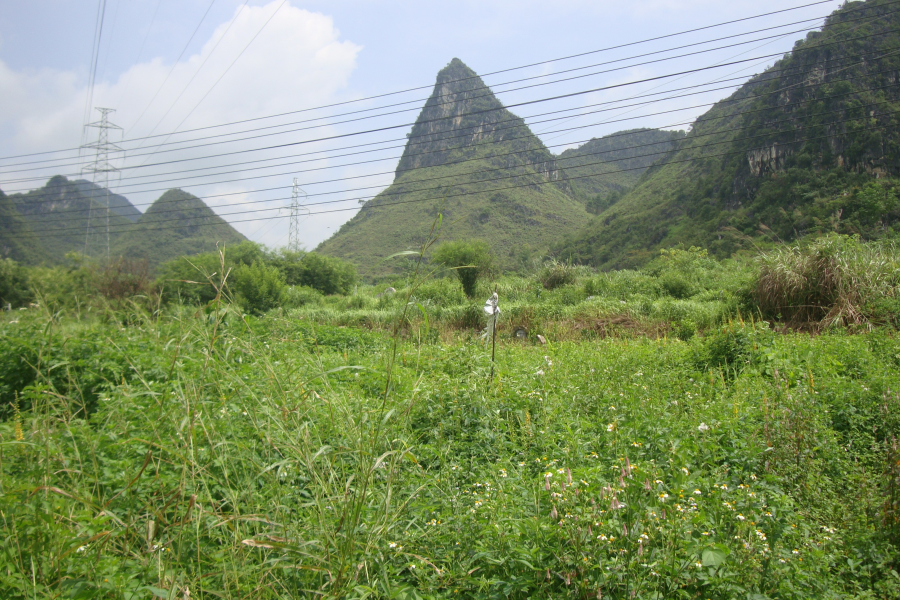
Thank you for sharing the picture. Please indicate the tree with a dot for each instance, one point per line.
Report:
(470, 259)
(327, 274)
(258, 287)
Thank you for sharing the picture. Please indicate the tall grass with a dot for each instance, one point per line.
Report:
(831, 281)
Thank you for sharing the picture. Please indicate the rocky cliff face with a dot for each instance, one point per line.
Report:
(462, 120)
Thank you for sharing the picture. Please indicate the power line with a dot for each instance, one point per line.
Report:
(600, 50)
(200, 68)
(531, 183)
(749, 97)
(174, 64)
(551, 98)
(494, 87)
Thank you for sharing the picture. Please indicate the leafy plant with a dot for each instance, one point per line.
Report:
(468, 258)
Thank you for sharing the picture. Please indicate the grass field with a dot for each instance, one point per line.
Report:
(659, 445)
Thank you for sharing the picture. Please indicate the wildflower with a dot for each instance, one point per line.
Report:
(502, 472)
(81, 548)
(540, 373)
(698, 565)
(549, 362)
(610, 427)
(698, 493)
(685, 471)
(560, 471)
(795, 551)
(664, 496)
(658, 481)
(612, 408)
(705, 533)
(702, 427)
(521, 464)
(781, 560)
(740, 517)
(753, 477)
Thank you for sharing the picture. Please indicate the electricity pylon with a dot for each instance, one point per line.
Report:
(298, 199)
(101, 168)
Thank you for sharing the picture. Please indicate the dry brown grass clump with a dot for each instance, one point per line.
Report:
(829, 282)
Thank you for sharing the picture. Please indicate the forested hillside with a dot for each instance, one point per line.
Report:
(806, 147)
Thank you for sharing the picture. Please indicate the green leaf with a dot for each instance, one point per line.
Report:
(159, 593)
(713, 558)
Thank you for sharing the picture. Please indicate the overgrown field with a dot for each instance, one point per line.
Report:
(356, 446)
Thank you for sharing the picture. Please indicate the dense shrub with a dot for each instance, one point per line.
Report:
(327, 274)
(191, 278)
(14, 290)
(469, 258)
(556, 274)
(258, 287)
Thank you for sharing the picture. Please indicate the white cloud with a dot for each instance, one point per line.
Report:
(297, 62)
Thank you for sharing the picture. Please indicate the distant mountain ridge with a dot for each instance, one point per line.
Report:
(176, 224)
(615, 162)
(42, 225)
(117, 203)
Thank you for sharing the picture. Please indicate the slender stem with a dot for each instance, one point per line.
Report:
(493, 342)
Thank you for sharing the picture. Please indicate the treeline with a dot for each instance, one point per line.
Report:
(247, 274)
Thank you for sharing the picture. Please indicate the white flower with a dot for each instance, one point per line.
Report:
(540, 372)
(81, 548)
(740, 517)
(610, 427)
(703, 427)
(698, 492)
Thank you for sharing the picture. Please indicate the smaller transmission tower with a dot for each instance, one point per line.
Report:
(298, 200)
(101, 168)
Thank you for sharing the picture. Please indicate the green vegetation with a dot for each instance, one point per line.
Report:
(805, 148)
(662, 443)
(468, 258)
(260, 278)
(627, 154)
(834, 280)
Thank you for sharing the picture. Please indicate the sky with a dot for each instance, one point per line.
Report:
(224, 98)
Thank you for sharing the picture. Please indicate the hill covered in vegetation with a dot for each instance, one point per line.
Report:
(809, 146)
(17, 241)
(64, 220)
(606, 167)
(177, 224)
(64, 216)
(463, 141)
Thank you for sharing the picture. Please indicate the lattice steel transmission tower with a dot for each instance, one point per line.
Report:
(298, 200)
(101, 168)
